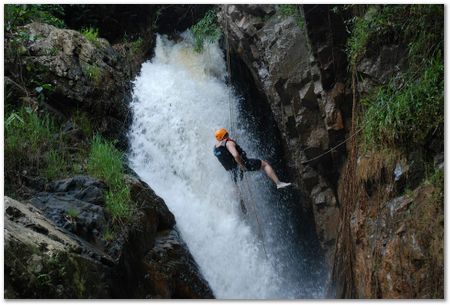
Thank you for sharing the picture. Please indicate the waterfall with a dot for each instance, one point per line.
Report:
(179, 99)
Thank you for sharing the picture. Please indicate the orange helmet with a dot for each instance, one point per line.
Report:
(221, 133)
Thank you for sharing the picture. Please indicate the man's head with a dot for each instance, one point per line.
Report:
(221, 134)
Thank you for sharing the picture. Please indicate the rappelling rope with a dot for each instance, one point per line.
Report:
(261, 233)
(229, 71)
(251, 199)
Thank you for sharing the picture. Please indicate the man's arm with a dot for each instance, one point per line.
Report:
(231, 146)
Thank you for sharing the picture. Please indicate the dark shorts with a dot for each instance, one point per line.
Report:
(252, 164)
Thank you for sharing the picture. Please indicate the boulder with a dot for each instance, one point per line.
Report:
(56, 245)
(74, 72)
(171, 270)
(77, 205)
(43, 260)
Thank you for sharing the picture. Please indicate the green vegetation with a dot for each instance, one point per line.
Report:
(91, 34)
(292, 10)
(56, 165)
(27, 139)
(105, 162)
(418, 26)
(206, 29)
(408, 115)
(72, 213)
(109, 234)
(137, 45)
(81, 120)
(33, 145)
(21, 14)
(93, 72)
(410, 107)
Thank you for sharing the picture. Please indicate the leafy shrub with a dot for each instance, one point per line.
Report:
(91, 34)
(28, 139)
(93, 72)
(407, 116)
(402, 116)
(81, 120)
(293, 11)
(105, 162)
(35, 145)
(418, 26)
(21, 14)
(56, 165)
(72, 213)
(206, 29)
(137, 45)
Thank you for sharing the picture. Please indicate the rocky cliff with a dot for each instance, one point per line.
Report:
(56, 246)
(305, 96)
(297, 58)
(62, 239)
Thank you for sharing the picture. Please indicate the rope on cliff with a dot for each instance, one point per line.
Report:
(261, 234)
(334, 147)
(227, 46)
(232, 130)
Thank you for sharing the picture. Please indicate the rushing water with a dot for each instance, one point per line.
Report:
(180, 98)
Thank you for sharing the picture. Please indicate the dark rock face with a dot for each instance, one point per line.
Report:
(289, 73)
(172, 272)
(63, 231)
(45, 261)
(378, 243)
(77, 205)
(399, 246)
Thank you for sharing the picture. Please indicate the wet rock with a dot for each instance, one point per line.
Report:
(63, 230)
(416, 169)
(393, 248)
(75, 204)
(379, 69)
(165, 263)
(80, 187)
(80, 217)
(142, 194)
(439, 161)
(44, 261)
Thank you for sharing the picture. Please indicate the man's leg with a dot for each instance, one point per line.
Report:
(271, 173)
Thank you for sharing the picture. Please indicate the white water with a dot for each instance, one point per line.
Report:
(180, 98)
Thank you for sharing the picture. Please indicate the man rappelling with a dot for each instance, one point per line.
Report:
(233, 158)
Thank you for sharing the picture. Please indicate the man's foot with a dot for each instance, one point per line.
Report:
(281, 185)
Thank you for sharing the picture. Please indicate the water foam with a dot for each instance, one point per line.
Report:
(179, 100)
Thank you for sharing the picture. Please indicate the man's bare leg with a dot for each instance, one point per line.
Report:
(271, 174)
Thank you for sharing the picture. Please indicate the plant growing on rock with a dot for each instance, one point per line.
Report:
(93, 72)
(56, 165)
(21, 14)
(90, 34)
(72, 213)
(207, 29)
(105, 162)
(402, 115)
(292, 10)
